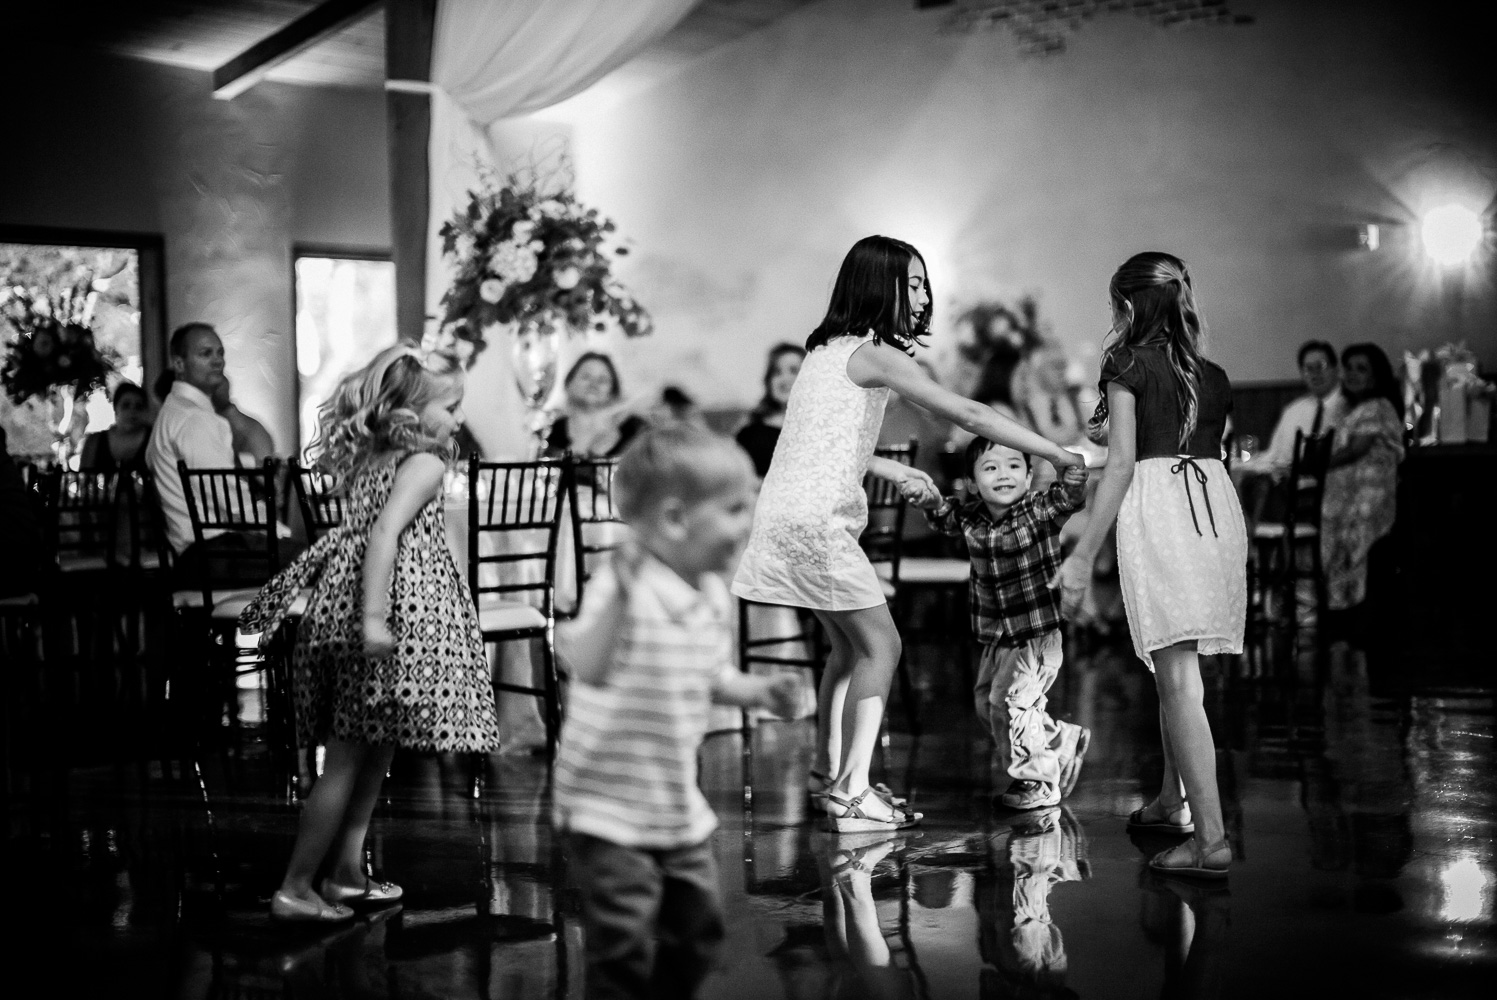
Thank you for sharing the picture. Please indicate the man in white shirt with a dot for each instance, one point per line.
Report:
(191, 428)
(1315, 413)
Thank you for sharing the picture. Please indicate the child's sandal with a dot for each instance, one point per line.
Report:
(847, 815)
(1193, 860)
(1175, 820)
(818, 795)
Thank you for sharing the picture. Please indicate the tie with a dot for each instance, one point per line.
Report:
(1319, 416)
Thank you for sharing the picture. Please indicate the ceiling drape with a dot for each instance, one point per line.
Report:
(491, 61)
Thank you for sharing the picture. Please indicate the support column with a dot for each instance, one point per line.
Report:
(409, 27)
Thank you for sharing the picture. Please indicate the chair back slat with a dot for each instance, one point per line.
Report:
(883, 537)
(1306, 483)
(595, 517)
(233, 500)
(145, 545)
(81, 513)
(514, 520)
(321, 507)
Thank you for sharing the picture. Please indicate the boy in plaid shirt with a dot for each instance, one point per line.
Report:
(1013, 540)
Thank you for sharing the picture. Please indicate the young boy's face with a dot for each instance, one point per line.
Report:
(1002, 476)
(714, 530)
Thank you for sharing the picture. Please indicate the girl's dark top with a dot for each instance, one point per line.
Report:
(1145, 372)
(759, 440)
(559, 441)
(97, 456)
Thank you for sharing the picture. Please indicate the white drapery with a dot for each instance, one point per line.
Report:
(492, 61)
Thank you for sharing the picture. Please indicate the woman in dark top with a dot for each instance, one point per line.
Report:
(1182, 543)
(595, 423)
(122, 446)
(760, 435)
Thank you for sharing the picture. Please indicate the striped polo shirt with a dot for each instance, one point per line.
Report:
(626, 768)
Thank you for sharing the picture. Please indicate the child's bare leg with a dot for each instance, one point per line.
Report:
(832, 696)
(875, 653)
(346, 862)
(1182, 697)
(322, 816)
(1171, 792)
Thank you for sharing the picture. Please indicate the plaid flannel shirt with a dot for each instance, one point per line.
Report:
(1014, 558)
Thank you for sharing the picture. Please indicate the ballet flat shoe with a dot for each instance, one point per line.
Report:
(372, 893)
(289, 909)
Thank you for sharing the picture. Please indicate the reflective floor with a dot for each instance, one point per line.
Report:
(1359, 796)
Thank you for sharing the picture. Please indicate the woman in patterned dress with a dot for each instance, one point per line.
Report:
(803, 551)
(1361, 486)
(1182, 541)
(389, 653)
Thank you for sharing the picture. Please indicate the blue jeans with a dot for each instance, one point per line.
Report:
(653, 918)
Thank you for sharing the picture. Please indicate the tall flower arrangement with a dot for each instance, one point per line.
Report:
(53, 345)
(530, 254)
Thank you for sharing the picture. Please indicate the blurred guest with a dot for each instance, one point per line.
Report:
(762, 432)
(1045, 398)
(189, 428)
(1361, 486)
(122, 446)
(21, 545)
(1318, 411)
(594, 422)
(676, 405)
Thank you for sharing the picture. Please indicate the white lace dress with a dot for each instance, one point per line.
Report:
(803, 550)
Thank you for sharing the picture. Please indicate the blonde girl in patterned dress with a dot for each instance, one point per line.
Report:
(1182, 543)
(388, 653)
(803, 551)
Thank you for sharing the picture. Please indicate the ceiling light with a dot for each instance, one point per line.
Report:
(1451, 233)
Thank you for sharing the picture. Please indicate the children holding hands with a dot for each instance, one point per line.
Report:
(1013, 541)
(650, 651)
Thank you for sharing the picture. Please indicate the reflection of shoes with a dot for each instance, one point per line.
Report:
(1190, 858)
(845, 815)
(864, 857)
(307, 911)
(1024, 794)
(371, 893)
(1159, 818)
(1072, 769)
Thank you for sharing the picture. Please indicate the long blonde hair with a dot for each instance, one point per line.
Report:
(1153, 303)
(377, 410)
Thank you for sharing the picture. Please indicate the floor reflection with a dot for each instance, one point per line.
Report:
(1359, 792)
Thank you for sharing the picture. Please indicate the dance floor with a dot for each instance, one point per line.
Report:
(1358, 791)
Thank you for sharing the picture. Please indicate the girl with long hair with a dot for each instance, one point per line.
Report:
(803, 551)
(1182, 543)
(389, 653)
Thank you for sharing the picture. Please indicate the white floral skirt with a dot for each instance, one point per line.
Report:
(1182, 557)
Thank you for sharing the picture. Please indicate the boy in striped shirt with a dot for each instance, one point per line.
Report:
(651, 650)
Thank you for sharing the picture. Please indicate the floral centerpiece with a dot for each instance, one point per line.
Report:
(528, 256)
(533, 257)
(53, 347)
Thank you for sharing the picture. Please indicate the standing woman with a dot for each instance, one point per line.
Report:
(759, 436)
(803, 551)
(1361, 485)
(1182, 544)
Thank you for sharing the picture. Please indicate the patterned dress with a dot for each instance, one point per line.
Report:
(1360, 501)
(803, 550)
(434, 692)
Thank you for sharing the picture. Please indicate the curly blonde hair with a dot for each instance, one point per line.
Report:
(377, 410)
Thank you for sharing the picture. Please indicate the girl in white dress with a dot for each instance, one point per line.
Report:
(803, 551)
(1182, 543)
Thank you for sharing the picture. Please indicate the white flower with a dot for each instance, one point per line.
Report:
(513, 262)
(522, 232)
(567, 278)
(552, 208)
(491, 290)
(464, 246)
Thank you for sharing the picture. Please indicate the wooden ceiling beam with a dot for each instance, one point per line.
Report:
(316, 25)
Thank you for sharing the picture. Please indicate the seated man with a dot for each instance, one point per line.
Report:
(1316, 412)
(191, 428)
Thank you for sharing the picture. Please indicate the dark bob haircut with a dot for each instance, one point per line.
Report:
(975, 449)
(872, 293)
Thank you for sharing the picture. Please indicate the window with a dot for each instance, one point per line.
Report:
(120, 274)
(345, 315)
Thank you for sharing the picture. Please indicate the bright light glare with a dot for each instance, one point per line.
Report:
(1450, 233)
(1467, 890)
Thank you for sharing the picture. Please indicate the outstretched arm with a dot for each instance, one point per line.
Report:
(1076, 572)
(875, 366)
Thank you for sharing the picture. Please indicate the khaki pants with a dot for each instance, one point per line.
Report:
(1010, 697)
